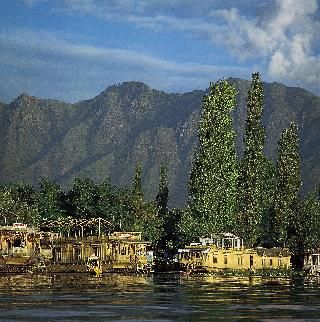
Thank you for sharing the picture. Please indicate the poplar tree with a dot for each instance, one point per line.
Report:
(288, 183)
(166, 240)
(163, 193)
(251, 183)
(214, 174)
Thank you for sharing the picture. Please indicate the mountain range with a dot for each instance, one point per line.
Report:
(106, 136)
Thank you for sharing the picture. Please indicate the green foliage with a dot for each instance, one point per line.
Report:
(16, 210)
(189, 227)
(304, 228)
(83, 198)
(254, 167)
(163, 194)
(170, 219)
(214, 173)
(107, 201)
(288, 183)
(267, 196)
(50, 199)
(23, 192)
(143, 215)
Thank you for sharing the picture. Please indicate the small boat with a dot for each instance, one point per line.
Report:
(94, 266)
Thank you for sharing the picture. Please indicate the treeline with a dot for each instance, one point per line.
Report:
(125, 207)
(247, 195)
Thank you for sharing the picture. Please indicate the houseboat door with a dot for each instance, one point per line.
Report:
(251, 261)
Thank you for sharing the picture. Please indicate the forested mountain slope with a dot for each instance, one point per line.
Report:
(130, 123)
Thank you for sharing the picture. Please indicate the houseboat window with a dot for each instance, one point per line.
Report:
(17, 242)
(197, 255)
(315, 260)
(270, 261)
(263, 262)
(57, 252)
(215, 259)
(96, 251)
(227, 243)
(77, 253)
(123, 251)
(240, 260)
(225, 259)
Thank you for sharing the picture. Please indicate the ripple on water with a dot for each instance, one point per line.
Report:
(156, 298)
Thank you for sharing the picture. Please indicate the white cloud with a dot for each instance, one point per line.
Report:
(51, 64)
(283, 34)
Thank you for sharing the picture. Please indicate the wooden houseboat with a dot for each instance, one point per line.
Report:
(22, 248)
(312, 263)
(227, 251)
(119, 251)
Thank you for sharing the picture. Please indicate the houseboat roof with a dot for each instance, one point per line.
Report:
(19, 227)
(273, 252)
(132, 235)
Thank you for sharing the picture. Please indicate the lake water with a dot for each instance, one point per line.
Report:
(157, 298)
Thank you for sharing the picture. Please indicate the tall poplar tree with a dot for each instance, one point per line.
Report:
(163, 193)
(253, 165)
(168, 220)
(288, 183)
(214, 174)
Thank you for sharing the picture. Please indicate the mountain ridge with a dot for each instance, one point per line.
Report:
(131, 122)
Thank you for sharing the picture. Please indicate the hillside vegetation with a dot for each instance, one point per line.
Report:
(129, 123)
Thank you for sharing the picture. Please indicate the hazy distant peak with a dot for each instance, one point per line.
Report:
(25, 99)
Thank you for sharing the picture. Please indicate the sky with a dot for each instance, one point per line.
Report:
(72, 50)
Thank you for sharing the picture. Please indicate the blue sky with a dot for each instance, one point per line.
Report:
(73, 49)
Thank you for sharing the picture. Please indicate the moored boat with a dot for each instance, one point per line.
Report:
(227, 252)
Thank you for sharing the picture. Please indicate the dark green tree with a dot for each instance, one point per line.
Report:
(166, 241)
(50, 199)
(268, 192)
(83, 198)
(23, 193)
(163, 193)
(121, 208)
(143, 215)
(106, 199)
(288, 183)
(214, 174)
(251, 181)
(12, 209)
(304, 230)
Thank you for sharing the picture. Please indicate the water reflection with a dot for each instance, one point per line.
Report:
(159, 297)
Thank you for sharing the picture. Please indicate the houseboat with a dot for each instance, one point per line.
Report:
(226, 251)
(119, 251)
(26, 249)
(312, 263)
(23, 248)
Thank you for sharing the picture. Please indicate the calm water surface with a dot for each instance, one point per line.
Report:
(157, 298)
